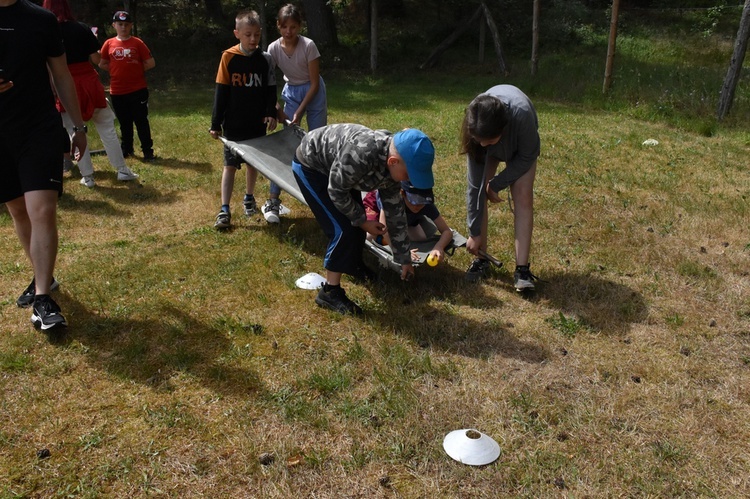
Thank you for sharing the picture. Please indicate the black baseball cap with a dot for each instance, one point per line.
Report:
(122, 16)
(417, 196)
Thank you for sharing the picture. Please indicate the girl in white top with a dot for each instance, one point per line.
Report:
(304, 90)
(299, 60)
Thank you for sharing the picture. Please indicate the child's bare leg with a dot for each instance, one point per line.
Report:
(227, 184)
(251, 177)
(333, 278)
(522, 191)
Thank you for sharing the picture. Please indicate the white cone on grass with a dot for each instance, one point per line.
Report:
(471, 447)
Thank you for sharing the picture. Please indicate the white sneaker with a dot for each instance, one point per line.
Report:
(125, 174)
(88, 181)
(271, 211)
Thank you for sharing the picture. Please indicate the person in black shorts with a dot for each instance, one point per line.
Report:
(31, 151)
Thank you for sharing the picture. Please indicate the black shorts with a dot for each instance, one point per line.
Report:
(31, 160)
(231, 159)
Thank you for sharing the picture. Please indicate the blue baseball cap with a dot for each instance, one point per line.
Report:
(417, 151)
(417, 196)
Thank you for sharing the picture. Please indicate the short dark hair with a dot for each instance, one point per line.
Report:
(485, 118)
(249, 17)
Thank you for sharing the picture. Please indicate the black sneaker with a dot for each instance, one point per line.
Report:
(149, 157)
(223, 220)
(334, 298)
(127, 153)
(478, 269)
(523, 279)
(27, 297)
(251, 207)
(47, 314)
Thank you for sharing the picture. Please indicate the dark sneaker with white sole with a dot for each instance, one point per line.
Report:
(27, 297)
(47, 315)
(251, 207)
(223, 220)
(334, 298)
(478, 269)
(523, 279)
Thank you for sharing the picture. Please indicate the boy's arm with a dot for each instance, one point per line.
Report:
(149, 64)
(446, 234)
(395, 217)
(221, 101)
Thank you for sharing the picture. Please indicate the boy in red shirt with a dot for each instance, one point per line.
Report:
(127, 59)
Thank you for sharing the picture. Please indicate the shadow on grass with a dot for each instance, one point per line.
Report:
(177, 163)
(152, 351)
(122, 194)
(440, 310)
(602, 305)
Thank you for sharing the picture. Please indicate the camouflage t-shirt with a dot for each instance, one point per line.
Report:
(354, 158)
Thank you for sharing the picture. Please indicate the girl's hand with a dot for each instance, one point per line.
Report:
(493, 196)
(474, 244)
(214, 134)
(270, 123)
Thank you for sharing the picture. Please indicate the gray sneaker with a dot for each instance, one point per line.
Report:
(125, 174)
(523, 279)
(88, 181)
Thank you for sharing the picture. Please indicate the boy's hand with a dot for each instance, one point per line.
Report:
(214, 134)
(374, 227)
(270, 123)
(407, 272)
(436, 253)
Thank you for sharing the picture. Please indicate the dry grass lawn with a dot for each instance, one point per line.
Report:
(191, 354)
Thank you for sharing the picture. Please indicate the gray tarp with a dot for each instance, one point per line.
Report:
(272, 156)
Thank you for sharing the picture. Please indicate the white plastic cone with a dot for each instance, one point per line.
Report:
(471, 447)
(310, 281)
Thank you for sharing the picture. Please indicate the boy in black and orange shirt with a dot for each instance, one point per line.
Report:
(244, 106)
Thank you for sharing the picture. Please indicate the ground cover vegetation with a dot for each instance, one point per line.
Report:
(193, 367)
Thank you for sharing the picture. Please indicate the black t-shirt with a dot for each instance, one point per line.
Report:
(429, 210)
(29, 35)
(80, 42)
